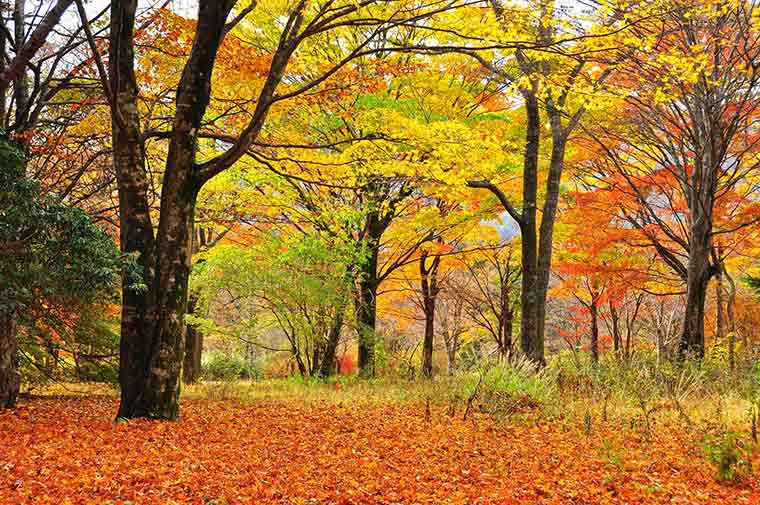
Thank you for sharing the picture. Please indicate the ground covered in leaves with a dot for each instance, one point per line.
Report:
(69, 450)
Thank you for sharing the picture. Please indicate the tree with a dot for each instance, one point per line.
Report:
(51, 255)
(685, 148)
(277, 292)
(153, 332)
(551, 79)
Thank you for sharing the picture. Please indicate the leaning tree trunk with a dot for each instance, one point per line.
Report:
(10, 379)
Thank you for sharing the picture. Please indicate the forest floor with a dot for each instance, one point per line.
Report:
(66, 449)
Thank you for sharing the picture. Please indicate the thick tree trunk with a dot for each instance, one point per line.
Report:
(366, 302)
(692, 342)
(136, 229)
(153, 329)
(10, 380)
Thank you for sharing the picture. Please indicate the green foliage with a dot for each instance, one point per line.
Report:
(50, 253)
(730, 455)
(225, 366)
(295, 287)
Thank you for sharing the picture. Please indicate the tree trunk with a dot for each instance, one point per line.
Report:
(136, 229)
(731, 320)
(616, 339)
(191, 370)
(366, 303)
(720, 325)
(20, 85)
(153, 329)
(451, 353)
(548, 217)
(530, 342)
(692, 342)
(429, 288)
(327, 367)
(10, 379)
(594, 313)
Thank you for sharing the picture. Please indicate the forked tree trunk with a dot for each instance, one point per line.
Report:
(10, 380)
(153, 329)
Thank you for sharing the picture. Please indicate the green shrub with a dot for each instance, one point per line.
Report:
(731, 457)
(218, 365)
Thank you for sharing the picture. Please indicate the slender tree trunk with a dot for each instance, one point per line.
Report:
(720, 325)
(10, 379)
(191, 370)
(429, 288)
(452, 347)
(731, 319)
(548, 218)
(530, 342)
(616, 339)
(594, 313)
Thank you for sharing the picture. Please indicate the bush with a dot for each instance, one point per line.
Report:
(508, 387)
(218, 365)
(731, 457)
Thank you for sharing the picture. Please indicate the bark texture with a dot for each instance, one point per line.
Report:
(10, 380)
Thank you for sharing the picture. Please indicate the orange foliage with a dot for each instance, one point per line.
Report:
(58, 451)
